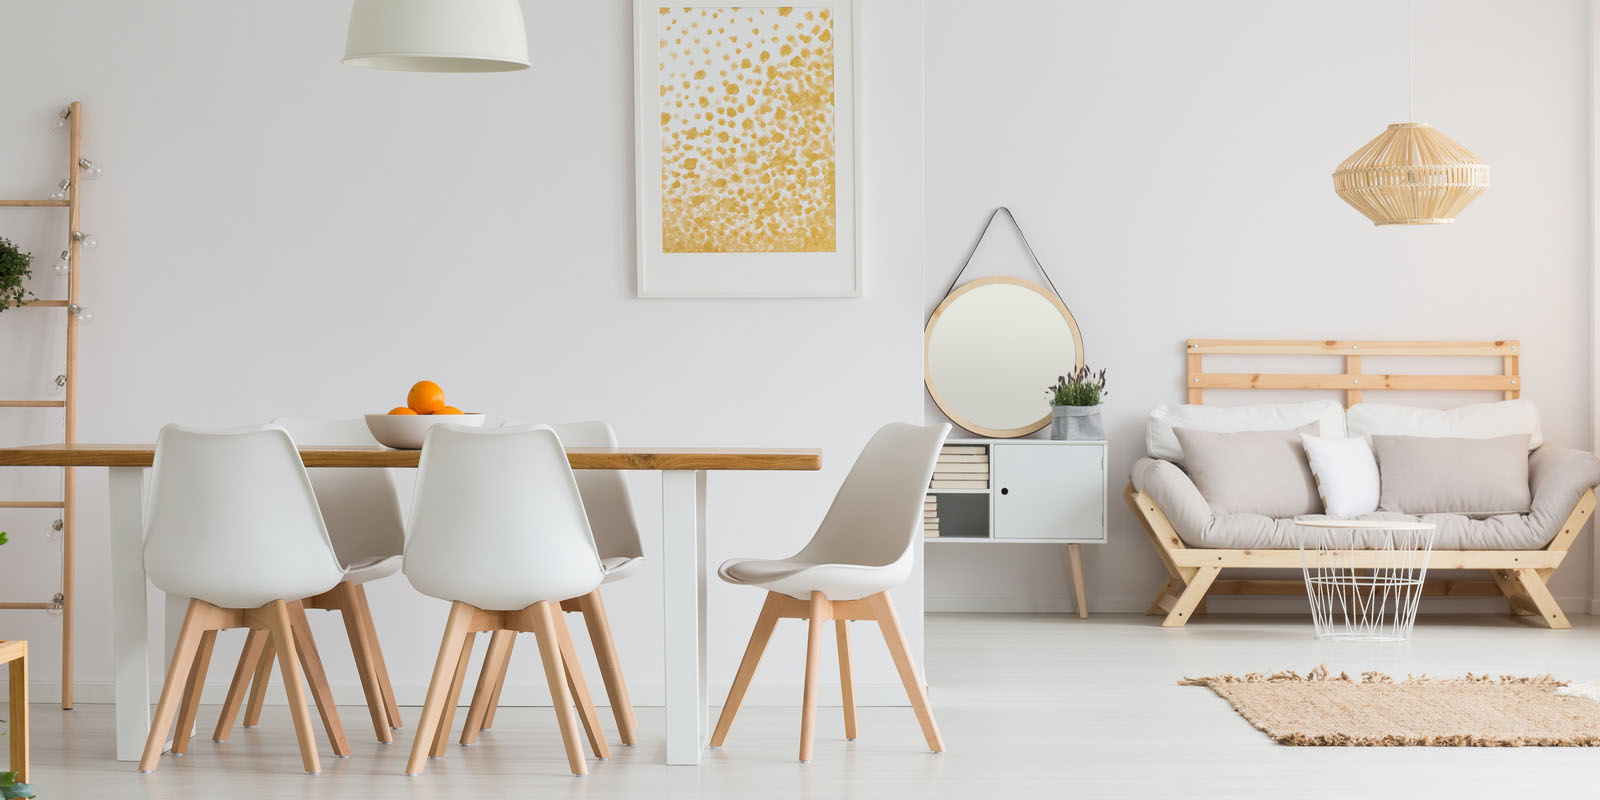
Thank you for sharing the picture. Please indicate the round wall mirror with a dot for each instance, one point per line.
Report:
(990, 350)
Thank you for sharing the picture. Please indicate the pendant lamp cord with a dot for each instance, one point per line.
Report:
(1411, 64)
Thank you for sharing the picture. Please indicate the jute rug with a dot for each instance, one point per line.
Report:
(1375, 710)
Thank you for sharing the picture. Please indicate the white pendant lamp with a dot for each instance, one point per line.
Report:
(1411, 174)
(437, 35)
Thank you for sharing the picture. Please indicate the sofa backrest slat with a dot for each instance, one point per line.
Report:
(1353, 380)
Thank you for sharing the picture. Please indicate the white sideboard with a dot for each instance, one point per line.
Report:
(1039, 490)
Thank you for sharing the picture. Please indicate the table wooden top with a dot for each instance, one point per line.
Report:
(640, 458)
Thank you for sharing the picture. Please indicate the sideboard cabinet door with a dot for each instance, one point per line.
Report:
(1049, 491)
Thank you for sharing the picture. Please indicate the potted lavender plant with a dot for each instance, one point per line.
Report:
(1075, 406)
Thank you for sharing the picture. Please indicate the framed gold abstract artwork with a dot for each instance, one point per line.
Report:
(745, 135)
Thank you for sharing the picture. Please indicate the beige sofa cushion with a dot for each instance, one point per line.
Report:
(1251, 472)
(1161, 442)
(1444, 475)
(1557, 476)
(1475, 421)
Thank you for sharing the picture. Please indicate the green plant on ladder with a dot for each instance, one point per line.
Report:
(10, 789)
(13, 271)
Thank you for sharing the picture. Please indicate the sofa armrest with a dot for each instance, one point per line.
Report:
(1175, 494)
(1558, 476)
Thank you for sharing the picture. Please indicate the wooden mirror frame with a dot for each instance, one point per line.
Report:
(927, 339)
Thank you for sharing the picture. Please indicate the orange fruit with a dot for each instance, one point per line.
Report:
(401, 410)
(425, 397)
(448, 410)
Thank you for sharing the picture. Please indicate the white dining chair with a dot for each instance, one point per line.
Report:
(362, 513)
(498, 529)
(864, 547)
(616, 536)
(233, 524)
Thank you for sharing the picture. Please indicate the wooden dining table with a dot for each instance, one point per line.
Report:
(683, 561)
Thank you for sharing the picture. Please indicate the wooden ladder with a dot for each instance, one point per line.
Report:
(73, 253)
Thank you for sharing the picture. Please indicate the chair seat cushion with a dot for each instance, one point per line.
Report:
(799, 579)
(367, 571)
(619, 567)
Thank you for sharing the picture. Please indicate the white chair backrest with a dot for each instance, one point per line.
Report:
(232, 519)
(875, 517)
(605, 492)
(497, 521)
(359, 506)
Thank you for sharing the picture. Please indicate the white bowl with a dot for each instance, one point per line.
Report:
(406, 431)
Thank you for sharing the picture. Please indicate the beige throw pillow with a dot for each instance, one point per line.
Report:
(1439, 475)
(1251, 472)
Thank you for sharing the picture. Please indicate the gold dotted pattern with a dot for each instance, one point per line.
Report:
(747, 118)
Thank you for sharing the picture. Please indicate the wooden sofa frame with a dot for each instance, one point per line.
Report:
(1519, 575)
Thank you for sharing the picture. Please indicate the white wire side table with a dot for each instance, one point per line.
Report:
(1364, 577)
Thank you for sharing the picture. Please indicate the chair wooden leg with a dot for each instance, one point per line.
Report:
(494, 665)
(821, 613)
(447, 715)
(254, 643)
(392, 709)
(847, 688)
(281, 625)
(544, 615)
(317, 680)
(605, 651)
(191, 695)
(194, 626)
(765, 623)
(258, 684)
(579, 686)
(1191, 597)
(444, 669)
(499, 684)
(895, 638)
(17, 683)
(355, 629)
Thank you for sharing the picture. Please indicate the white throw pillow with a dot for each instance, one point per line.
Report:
(1476, 421)
(1161, 443)
(1346, 473)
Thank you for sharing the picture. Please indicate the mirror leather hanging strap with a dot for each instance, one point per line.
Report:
(1025, 246)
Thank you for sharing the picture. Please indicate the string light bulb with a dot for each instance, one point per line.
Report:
(60, 123)
(60, 194)
(85, 240)
(63, 265)
(80, 314)
(90, 170)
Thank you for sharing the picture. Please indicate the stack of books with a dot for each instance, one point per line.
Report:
(962, 466)
(930, 517)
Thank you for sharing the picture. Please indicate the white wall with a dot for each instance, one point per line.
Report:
(285, 235)
(1170, 162)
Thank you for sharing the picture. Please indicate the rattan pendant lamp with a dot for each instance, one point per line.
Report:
(1411, 174)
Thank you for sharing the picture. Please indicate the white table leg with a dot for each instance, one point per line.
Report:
(130, 627)
(683, 564)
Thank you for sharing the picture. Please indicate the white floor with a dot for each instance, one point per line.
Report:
(1031, 706)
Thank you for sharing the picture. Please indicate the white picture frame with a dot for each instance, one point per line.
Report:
(690, 272)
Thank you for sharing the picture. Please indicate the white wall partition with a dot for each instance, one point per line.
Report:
(1171, 164)
(283, 235)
